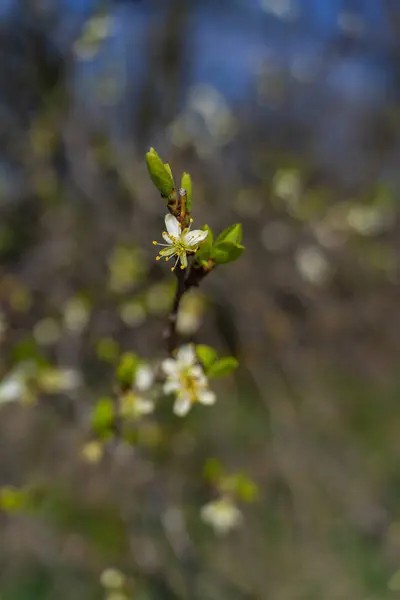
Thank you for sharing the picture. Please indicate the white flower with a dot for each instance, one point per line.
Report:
(186, 379)
(222, 514)
(134, 403)
(180, 242)
(12, 388)
(144, 378)
(54, 380)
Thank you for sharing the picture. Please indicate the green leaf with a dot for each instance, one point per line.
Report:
(186, 184)
(212, 470)
(394, 583)
(12, 499)
(223, 366)
(225, 252)
(204, 251)
(126, 369)
(107, 350)
(160, 173)
(103, 416)
(231, 234)
(246, 489)
(206, 354)
(166, 165)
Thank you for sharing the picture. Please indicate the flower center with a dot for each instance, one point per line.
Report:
(189, 384)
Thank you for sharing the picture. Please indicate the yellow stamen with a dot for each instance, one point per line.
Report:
(172, 268)
(182, 267)
(154, 243)
(158, 257)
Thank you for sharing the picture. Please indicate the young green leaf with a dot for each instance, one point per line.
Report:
(166, 165)
(102, 417)
(126, 369)
(160, 173)
(231, 234)
(186, 184)
(204, 251)
(213, 470)
(223, 366)
(246, 489)
(206, 354)
(225, 252)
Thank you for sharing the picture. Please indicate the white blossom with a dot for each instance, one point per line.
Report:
(186, 379)
(135, 403)
(179, 242)
(12, 388)
(222, 514)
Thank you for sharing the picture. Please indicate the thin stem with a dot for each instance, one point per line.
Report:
(184, 283)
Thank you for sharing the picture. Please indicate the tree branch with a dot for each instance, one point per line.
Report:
(171, 334)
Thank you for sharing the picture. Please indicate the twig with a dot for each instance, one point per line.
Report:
(184, 283)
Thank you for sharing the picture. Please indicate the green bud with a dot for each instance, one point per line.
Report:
(186, 184)
(160, 173)
(126, 369)
(102, 417)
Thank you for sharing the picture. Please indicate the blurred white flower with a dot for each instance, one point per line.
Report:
(53, 380)
(370, 220)
(112, 578)
(134, 403)
(144, 378)
(313, 265)
(12, 388)
(180, 242)
(186, 379)
(190, 313)
(222, 514)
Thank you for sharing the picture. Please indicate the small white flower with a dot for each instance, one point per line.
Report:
(144, 378)
(222, 514)
(179, 242)
(133, 403)
(12, 388)
(186, 379)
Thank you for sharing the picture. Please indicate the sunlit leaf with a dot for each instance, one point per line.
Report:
(223, 366)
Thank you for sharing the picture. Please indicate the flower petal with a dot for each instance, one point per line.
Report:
(197, 371)
(192, 238)
(11, 389)
(168, 251)
(170, 366)
(144, 378)
(172, 385)
(186, 356)
(144, 406)
(173, 226)
(167, 238)
(182, 406)
(207, 397)
(184, 261)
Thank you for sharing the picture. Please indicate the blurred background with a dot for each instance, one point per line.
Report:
(286, 114)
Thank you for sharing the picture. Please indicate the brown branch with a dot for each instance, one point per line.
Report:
(184, 283)
(171, 334)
